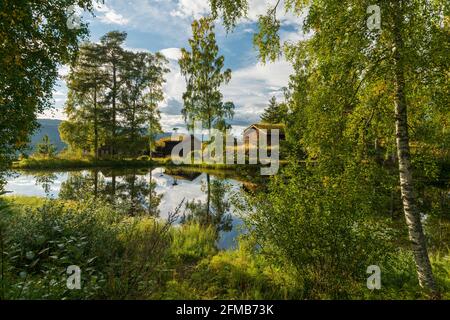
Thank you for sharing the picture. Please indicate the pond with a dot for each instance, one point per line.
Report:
(157, 192)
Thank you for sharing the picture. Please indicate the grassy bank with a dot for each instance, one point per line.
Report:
(61, 163)
(123, 257)
(144, 162)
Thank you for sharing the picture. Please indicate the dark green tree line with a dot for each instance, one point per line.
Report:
(113, 98)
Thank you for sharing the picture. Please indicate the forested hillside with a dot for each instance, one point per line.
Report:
(47, 127)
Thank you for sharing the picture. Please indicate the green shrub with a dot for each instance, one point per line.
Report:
(23, 201)
(441, 268)
(119, 256)
(320, 226)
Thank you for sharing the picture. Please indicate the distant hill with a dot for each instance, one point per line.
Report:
(162, 135)
(48, 127)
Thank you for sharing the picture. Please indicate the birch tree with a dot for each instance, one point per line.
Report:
(356, 79)
(202, 68)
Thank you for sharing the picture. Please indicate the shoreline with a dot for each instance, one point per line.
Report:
(49, 164)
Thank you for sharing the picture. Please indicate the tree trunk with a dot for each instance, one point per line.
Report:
(133, 195)
(133, 131)
(208, 178)
(150, 129)
(150, 199)
(114, 93)
(113, 188)
(95, 124)
(410, 209)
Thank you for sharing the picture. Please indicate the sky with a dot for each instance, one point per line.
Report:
(165, 26)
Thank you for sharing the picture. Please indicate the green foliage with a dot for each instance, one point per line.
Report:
(46, 127)
(275, 113)
(35, 41)
(138, 258)
(87, 84)
(45, 149)
(202, 68)
(21, 201)
(399, 280)
(111, 250)
(193, 242)
(142, 71)
(113, 98)
(348, 88)
(267, 40)
(441, 268)
(236, 274)
(229, 10)
(320, 227)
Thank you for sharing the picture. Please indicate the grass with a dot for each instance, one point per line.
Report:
(23, 201)
(61, 163)
(141, 162)
(187, 264)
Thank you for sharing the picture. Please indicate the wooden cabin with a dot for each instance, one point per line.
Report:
(265, 129)
(165, 145)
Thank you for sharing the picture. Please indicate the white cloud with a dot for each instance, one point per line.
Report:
(175, 82)
(198, 8)
(58, 93)
(191, 8)
(172, 53)
(54, 113)
(136, 49)
(110, 16)
(150, 16)
(169, 122)
(63, 71)
(250, 89)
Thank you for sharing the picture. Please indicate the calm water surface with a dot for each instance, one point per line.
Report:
(157, 192)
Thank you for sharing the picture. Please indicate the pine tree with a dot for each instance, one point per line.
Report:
(113, 97)
(46, 148)
(113, 59)
(87, 83)
(143, 77)
(275, 113)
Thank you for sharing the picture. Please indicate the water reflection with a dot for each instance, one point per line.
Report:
(215, 211)
(154, 192)
(137, 191)
(46, 181)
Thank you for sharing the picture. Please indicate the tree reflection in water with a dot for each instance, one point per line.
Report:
(45, 180)
(215, 211)
(134, 192)
(131, 189)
